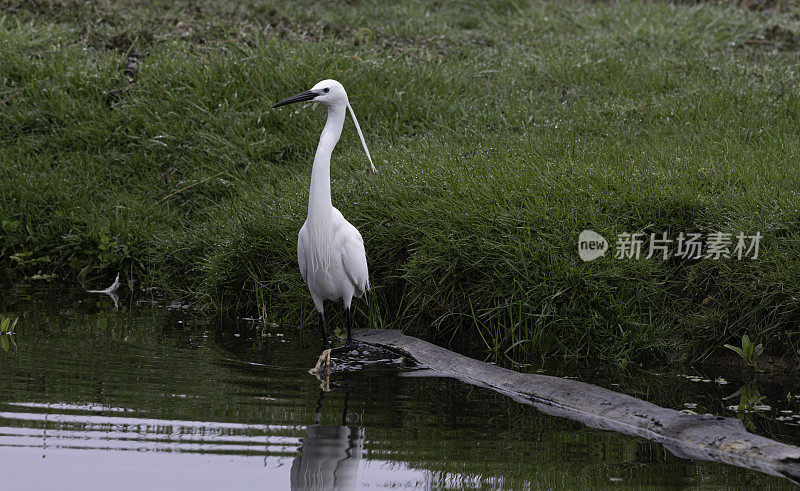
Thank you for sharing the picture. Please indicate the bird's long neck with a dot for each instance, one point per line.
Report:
(319, 199)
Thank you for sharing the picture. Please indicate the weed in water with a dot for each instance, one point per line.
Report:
(7, 327)
(749, 352)
(750, 402)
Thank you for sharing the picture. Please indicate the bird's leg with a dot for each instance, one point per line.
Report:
(325, 343)
(346, 400)
(318, 412)
(349, 312)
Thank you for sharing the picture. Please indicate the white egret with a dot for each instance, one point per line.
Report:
(330, 251)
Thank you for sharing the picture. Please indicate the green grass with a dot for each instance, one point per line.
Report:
(141, 140)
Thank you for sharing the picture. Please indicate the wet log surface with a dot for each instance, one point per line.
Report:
(691, 436)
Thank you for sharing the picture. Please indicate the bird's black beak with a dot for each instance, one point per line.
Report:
(305, 96)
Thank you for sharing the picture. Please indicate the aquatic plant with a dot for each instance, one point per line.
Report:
(749, 352)
(750, 402)
(7, 326)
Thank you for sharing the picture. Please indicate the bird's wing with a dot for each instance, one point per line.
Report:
(354, 259)
(302, 247)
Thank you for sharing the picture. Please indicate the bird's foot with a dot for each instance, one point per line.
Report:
(322, 370)
(324, 364)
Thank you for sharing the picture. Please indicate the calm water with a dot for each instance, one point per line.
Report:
(153, 396)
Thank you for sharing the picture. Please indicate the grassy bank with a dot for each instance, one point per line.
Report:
(140, 139)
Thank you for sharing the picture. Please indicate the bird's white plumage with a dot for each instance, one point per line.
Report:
(340, 271)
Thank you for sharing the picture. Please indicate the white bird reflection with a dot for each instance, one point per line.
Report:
(330, 454)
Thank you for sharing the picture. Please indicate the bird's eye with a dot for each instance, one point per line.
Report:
(326, 90)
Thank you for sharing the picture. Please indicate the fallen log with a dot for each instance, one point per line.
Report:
(691, 436)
